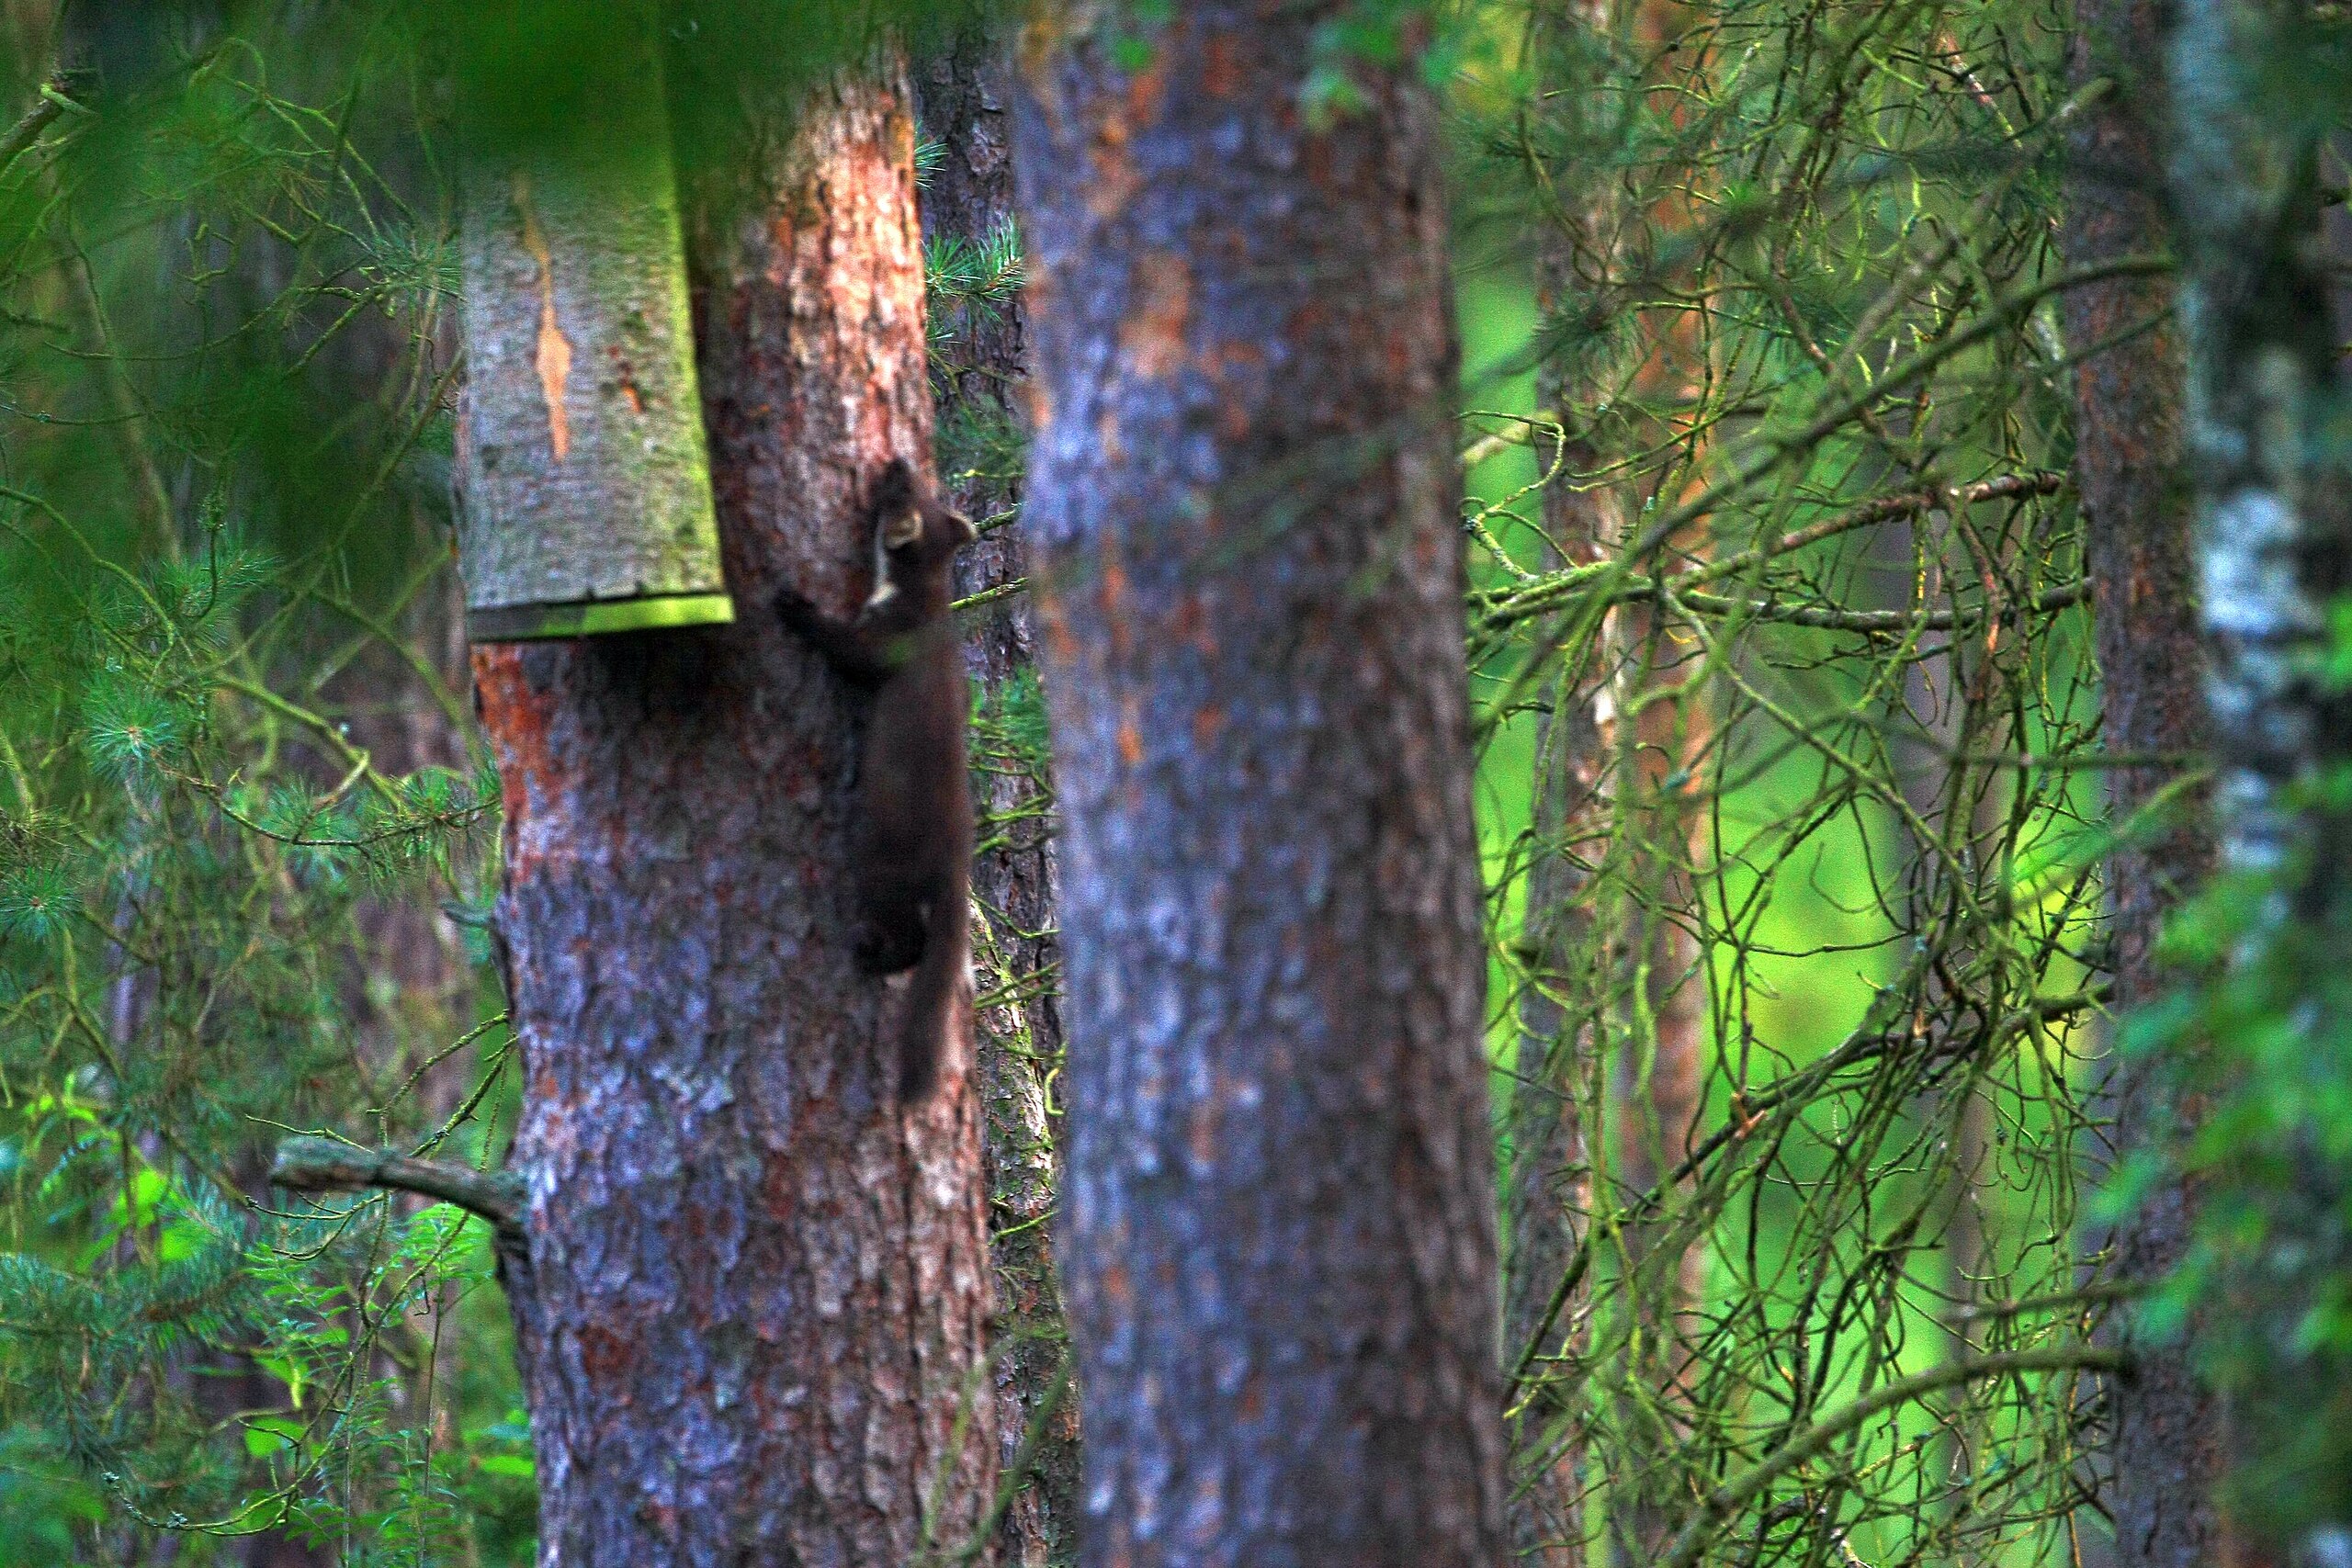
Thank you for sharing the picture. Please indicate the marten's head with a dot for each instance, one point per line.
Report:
(912, 528)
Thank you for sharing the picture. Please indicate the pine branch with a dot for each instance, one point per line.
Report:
(52, 103)
(322, 1165)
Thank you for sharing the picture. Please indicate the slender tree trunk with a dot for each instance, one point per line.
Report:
(1657, 1075)
(1548, 1189)
(1281, 1249)
(1658, 1071)
(1943, 715)
(752, 1314)
(2166, 1446)
(978, 363)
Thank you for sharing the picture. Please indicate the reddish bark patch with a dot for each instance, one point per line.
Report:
(1152, 339)
(1056, 628)
(604, 1354)
(517, 721)
(1130, 735)
(1221, 68)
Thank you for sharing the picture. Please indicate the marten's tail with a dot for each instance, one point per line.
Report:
(937, 998)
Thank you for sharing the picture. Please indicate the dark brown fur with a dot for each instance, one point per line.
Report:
(912, 855)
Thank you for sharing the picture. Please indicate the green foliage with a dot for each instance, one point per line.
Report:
(978, 441)
(1763, 290)
(2257, 1045)
(1776, 607)
(972, 279)
(234, 788)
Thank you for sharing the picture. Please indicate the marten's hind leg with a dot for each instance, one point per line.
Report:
(891, 930)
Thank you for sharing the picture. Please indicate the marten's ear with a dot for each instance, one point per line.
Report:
(960, 531)
(894, 487)
(898, 506)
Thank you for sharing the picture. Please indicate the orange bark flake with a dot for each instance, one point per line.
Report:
(604, 1353)
(1201, 1136)
(1240, 354)
(517, 724)
(1152, 337)
(1114, 179)
(553, 360)
(1114, 173)
(1193, 625)
(1147, 90)
(899, 146)
(1037, 400)
(1059, 640)
(625, 377)
(1116, 600)
(1116, 1286)
(1221, 71)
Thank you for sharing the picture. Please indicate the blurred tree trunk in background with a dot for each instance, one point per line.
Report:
(1549, 1186)
(2166, 1446)
(2266, 390)
(1658, 1072)
(1281, 1247)
(1664, 1034)
(751, 1326)
(1548, 1189)
(979, 362)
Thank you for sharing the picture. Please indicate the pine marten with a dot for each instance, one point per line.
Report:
(912, 848)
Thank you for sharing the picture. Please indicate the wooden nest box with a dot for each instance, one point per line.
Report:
(587, 505)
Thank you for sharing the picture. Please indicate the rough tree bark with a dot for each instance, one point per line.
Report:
(2165, 1440)
(965, 92)
(750, 1325)
(1281, 1250)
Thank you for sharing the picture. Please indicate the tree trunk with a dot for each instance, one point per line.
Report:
(979, 359)
(1659, 1067)
(1281, 1247)
(1658, 1075)
(2274, 555)
(1548, 1189)
(2166, 1446)
(750, 1325)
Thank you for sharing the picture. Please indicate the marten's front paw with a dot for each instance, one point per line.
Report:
(795, 609)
